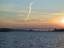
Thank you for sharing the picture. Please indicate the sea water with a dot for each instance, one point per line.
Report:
(31, 39)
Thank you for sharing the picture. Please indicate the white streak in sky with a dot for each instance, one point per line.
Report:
(29, 11)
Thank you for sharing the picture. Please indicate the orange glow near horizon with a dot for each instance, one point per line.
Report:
(23, 23)
(57, 21)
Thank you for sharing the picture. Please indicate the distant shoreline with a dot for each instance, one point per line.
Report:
(30, 30)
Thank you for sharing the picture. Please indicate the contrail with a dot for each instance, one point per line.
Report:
(29, 11)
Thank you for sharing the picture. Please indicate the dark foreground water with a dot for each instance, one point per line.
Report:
(31, 39)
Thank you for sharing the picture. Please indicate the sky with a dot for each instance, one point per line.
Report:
(14, 12)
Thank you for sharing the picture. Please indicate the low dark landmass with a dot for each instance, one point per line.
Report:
(6, 29)
(29, 30)
(58, 30)
(22, 30)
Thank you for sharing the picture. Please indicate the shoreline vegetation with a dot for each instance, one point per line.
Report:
(29, 30)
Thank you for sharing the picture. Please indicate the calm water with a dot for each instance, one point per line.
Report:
(32, 40)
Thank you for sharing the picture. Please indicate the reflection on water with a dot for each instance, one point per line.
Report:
(60, 40)
(32, 40)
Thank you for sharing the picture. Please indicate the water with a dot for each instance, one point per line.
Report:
(31, 39)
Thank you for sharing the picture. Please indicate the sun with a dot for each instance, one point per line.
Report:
(57, 21)
(62, 21)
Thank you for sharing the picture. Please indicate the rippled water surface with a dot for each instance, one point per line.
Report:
(31, 39)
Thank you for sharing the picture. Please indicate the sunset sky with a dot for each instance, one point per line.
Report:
(43, 13)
